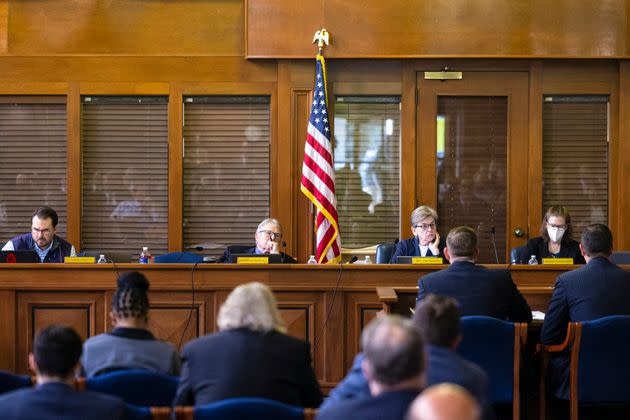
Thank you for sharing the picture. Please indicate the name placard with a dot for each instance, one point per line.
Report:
(79, 260)
(427, 260)
(252, 260)
(556, 261)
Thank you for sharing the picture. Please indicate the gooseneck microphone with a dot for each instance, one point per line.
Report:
(494, 244)
(284, 251)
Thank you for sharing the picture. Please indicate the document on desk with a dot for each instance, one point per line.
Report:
(538, 315)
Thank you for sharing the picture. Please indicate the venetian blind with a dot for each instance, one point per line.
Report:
(367, 168)
(124, 196)
(472, 169)
(33, 161)
(226, 170)
(575, 157)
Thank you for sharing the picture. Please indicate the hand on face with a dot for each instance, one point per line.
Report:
(266, 239)
(426, 232)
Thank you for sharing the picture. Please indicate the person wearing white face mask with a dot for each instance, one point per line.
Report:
(555, 237)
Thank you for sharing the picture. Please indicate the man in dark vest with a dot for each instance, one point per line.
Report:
(43, 239)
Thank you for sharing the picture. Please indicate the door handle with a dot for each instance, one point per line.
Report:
(518, 232)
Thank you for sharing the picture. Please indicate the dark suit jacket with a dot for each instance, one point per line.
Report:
(479, 291)
(59, 401)
(245, 363)
(386, 406)
(227, 255)
(598, 289)
(538, 247)
(410, 247)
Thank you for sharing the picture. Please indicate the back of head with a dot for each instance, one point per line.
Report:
(130, 299)
(597, 240)
(46, 212)
(252, 306)
(421, 213)
(57, 350)
(393, 349)
(462, 242)
(437, 318)
(444, 402)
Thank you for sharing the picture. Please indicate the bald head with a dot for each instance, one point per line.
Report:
(444, 402)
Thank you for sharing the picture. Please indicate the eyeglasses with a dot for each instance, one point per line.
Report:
(563, 227)
(43, 232)
(425, 226)
(272, 235)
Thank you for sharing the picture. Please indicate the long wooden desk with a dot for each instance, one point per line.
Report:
(35, 295)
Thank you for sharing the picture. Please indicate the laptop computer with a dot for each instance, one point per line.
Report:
(408, 259)
(28, 256)
(256, 258)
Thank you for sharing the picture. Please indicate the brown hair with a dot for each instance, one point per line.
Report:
(462, 242)
(557, 211)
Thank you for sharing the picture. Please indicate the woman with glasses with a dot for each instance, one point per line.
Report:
(555, 238)
(426, 241)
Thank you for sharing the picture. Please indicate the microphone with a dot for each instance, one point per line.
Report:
(396, 241)
(284, 251)
(494, 244)
(198, 248)
(353, 259)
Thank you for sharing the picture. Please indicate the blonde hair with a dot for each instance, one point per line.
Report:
(252, 306)
(421, 213)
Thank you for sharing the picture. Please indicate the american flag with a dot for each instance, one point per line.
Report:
(318, 176)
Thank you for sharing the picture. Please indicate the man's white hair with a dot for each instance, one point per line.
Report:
(252, 306)
(269, 221)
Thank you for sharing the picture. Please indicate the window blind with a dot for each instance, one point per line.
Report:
(32, 163)
(226, 170)
(367, 169)
(575, 157)
(125, 174)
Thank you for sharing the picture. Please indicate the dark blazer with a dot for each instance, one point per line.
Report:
(410, 247)
(444, 365)
(56, 400)
(60, 247)
(598, 289)
(479, 291)
(386, 406)
(227, 255)
(538, 247)
(245, 363)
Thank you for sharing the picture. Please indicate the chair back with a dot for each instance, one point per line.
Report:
(138, 387)
(179, 257)
(10, 382)
(384, 252)
(518, 255)
(495, 346)
(603, 366)
(248, 409)
(620, 257)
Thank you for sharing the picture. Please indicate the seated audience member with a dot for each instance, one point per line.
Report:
(437, 318)
(444, 402)
(130, 345)
(426, 241)
(555, 238)
(479, 290)
(55, 359)
(251, 356)
(43, 239)
(268, 239)
(598, 289)
(394, 369)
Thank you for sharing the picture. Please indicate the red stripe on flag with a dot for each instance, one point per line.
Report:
(320, 198)
(321, 174)
(319, 148)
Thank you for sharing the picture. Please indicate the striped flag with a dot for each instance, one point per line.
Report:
(318, 176)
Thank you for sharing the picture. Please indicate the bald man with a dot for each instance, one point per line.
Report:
(444, 402)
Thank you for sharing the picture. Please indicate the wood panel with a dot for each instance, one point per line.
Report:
(8, 336)
(403, 28)
(361, 308)
(622, 159)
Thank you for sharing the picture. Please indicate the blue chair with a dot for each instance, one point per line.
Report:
(518, 255)
(384, 253)
(179, 257)
(620, 257)
(496, 345)
(245, 409)
(138, 387)
(599, 365)
(10, 382)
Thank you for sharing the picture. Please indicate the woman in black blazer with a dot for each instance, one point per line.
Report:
(555, 239)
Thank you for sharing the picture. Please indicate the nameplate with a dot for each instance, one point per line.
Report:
(427, 260)
(556, 261)
(79, 260)
(252, 260)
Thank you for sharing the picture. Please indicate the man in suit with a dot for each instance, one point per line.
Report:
(55, 359)
(598, 289)
(393, 367)
(479, 290)
(444, 402)
(438, 320)
(267, 236)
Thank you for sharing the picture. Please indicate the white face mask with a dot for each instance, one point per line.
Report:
(555, 234)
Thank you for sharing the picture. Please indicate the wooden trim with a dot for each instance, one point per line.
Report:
(520, 336)
(573, 371)
(622, 233)
(160, 413)
(408, 143)
(74, 170)
(310, 413)
(286, 172)
(184, 413)
(8, 333)
(535, 193)
(175, 169)
(4, 26)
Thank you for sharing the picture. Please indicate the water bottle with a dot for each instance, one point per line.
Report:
(532, 260)
(102, 259)
(367, 260)
(145, 256)
(312, 260)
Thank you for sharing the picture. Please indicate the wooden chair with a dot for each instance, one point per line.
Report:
(245, 409)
